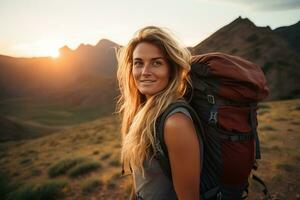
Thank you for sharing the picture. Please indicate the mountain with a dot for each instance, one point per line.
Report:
(262, 46)
(47, 77)
(291, 34)
(12, 129)
(41, 95)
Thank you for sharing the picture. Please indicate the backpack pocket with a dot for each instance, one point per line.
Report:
(234, 119)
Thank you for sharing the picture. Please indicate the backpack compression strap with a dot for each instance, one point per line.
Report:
(162, 154)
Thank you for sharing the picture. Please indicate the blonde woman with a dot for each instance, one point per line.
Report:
(153, 74)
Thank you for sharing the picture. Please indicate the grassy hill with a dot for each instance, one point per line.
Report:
(92, 147)
(25, 118)
(82, 162)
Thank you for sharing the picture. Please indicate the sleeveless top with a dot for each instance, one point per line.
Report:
(155, 185)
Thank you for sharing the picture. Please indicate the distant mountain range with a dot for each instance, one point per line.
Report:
(87, 75)
(83, 76)
(274, 50)
(41, 95)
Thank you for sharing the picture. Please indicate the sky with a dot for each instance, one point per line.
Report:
(32, 28)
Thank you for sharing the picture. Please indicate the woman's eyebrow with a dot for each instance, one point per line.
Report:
(151, 58)
(157, 58)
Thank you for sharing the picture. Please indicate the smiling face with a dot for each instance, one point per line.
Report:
(150, 69)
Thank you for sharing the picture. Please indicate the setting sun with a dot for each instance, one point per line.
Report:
(54, 54)
(40, 47)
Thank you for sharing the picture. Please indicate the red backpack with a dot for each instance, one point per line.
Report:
(222, 104)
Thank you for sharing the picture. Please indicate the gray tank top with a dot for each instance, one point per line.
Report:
(155, 185)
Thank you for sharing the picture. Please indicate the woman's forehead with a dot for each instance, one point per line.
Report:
(147, 51)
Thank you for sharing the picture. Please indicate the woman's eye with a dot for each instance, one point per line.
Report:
(137, 63)
(157, 63)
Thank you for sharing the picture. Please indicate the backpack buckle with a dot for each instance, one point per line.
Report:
(213, 118)
(210, 99)
(219, 195)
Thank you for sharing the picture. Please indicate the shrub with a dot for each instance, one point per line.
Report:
(46, 191)
(263, 106)
(63, 166)
(5, 186)
(114, 163)
(105, 156)
(285, 166)
(84, 168)
(268, 128)
(25, 161)
(281, 119)
(262, 112)
(111, 185)
(36, 172)
(295, 123)
(91, 184)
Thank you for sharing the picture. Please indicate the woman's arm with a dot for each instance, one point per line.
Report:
(184, 154)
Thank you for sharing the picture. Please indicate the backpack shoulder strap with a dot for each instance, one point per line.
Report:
(161, 148)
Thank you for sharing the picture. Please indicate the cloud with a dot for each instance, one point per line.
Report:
(263, 5)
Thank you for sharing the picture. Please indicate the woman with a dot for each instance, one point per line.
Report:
(152, 74)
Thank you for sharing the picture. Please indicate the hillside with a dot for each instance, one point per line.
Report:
(94, 149)
(45, 76)
(13, 129)
(29, 161)
(41, 95)
(262, 46)
(291, 34)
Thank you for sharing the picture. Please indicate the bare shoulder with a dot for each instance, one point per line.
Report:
(179, 128)
(178, 120)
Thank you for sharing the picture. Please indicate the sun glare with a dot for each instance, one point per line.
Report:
(54, 54)
(38, 48)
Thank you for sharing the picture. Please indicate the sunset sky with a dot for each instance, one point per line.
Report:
(40, 27)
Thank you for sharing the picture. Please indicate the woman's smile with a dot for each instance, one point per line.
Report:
(150, 69)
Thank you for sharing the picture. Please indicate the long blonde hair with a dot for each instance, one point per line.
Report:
(138, 114)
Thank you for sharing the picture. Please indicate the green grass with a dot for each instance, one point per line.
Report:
(263, 106)
(115, 163)
(51, 114)
(285, 166)
(6, 187)
(47, 190)
(281, 119)
(63, 166)
(262, 112)
(90, 185)
(84, 168)
(36, 172)
(105, 156)
(25, 161)
(267, 128)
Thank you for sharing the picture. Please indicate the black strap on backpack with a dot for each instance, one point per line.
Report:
(162, 152)
(210, 185)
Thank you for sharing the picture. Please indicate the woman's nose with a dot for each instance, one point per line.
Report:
(146, 70)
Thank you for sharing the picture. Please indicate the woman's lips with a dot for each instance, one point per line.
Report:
(147, 81)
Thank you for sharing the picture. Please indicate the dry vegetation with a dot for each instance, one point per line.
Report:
(86, 158)
(279, 126)
(83, 162)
